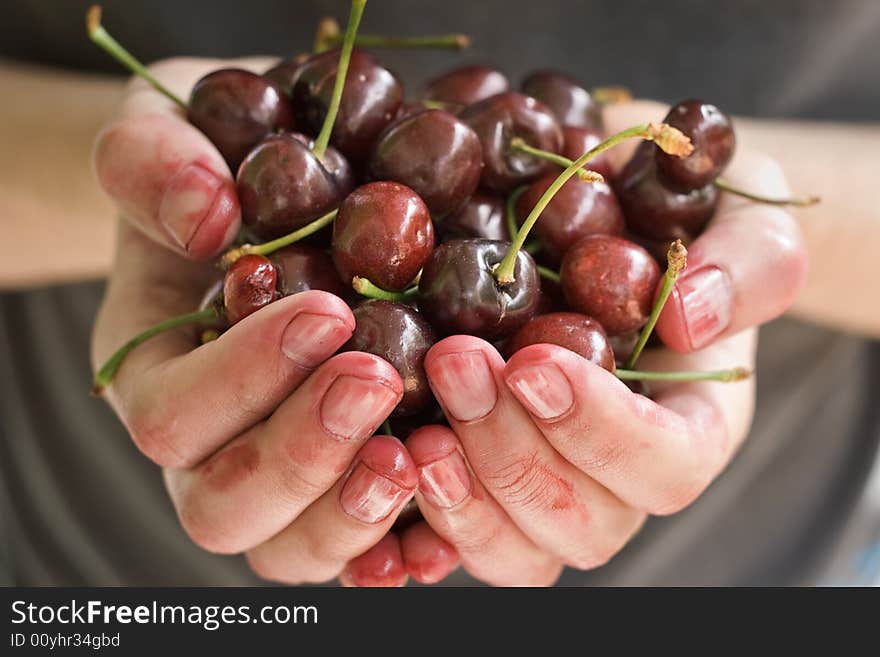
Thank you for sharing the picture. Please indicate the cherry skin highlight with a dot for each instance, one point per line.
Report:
(466, 85)
(250, 284)
(458, 292)
(370, 100)
(572, 104)
(383, 232)
(399, 334)
(579, 209)
(433, 153)
(236, 109)
(711, 132)
(578, 333)
(499, 119)
(611, 280)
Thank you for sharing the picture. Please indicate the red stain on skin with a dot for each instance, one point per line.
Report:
(233, 465)
(428, 557)
(381, 565)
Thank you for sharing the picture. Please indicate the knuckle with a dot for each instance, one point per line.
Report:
(202, 527)
(677, 497)
(154, 437)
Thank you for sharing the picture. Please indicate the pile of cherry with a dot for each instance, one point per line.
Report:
(467, 211)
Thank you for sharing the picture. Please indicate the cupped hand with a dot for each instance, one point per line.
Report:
(265, 437)
(552, 461)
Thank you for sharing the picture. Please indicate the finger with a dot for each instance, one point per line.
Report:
(428, 558)
(345, 522)
(457, 506)
(166, 177)
(657, 456)
(180, 404)
(745, 269)
(381, 565)
(262, 481)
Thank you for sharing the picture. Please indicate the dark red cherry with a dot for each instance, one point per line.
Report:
(612, 280)
(577, 141)
(711, 133)
(383, 232)
(656, 212)
(370, 100)
(482, 216)
(285, 73)
(466, 85)
(250, 284)
(578, 333)
(302, 268)
(236, 109)
(572, 104)
(335, 164)
(579, 209)
(400, 335)
(458, 292)
(282, 186)
(499, 119)
(433, 153)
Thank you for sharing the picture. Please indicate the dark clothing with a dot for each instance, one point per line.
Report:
(80, 505)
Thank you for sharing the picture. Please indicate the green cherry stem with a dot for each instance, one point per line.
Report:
(611, 95)
(725, 376)
(440, 41)
(386, 427)
(549, 274)
(105, 375)
(724, 185)
(267, 248)
(354, 19)
(669, 139)
(676, 259)
(510, 210)
(367, 289)
(102, 38)
(518, 143)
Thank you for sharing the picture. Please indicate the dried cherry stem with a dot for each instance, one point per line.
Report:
(676, 259)
(549, 274)
(105, 375)
(669, 139)
(611, 94)
(518, 143)
(354, 19)
(725, 376)
(510, 210)
(723, 185)
(365, 288)
(102, 38)
(267, 248)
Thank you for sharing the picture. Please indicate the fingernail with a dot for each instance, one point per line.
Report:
(309, 338)
(188, 202)
(446, 482)
(465, 384)
(370, 497)
(543, 389)
(353, 408)
(706, 304)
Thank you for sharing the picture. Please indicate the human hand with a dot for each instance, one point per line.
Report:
(265, 443)
(551, 460)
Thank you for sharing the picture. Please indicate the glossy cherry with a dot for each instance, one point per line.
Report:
(370, 100)
(579, 209)
(250, 283)
(466, 85)
(236, 109)
(302, 268)
(572, 104)
(400, 335)
(282, 186)
(611, 280)
(433, 153)
(496, 121)
(577, 141)
(285, 73)
(482, 216)
(383, 232)
(458, 292)
(578, 333)
(653, 210)
(711, 132)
